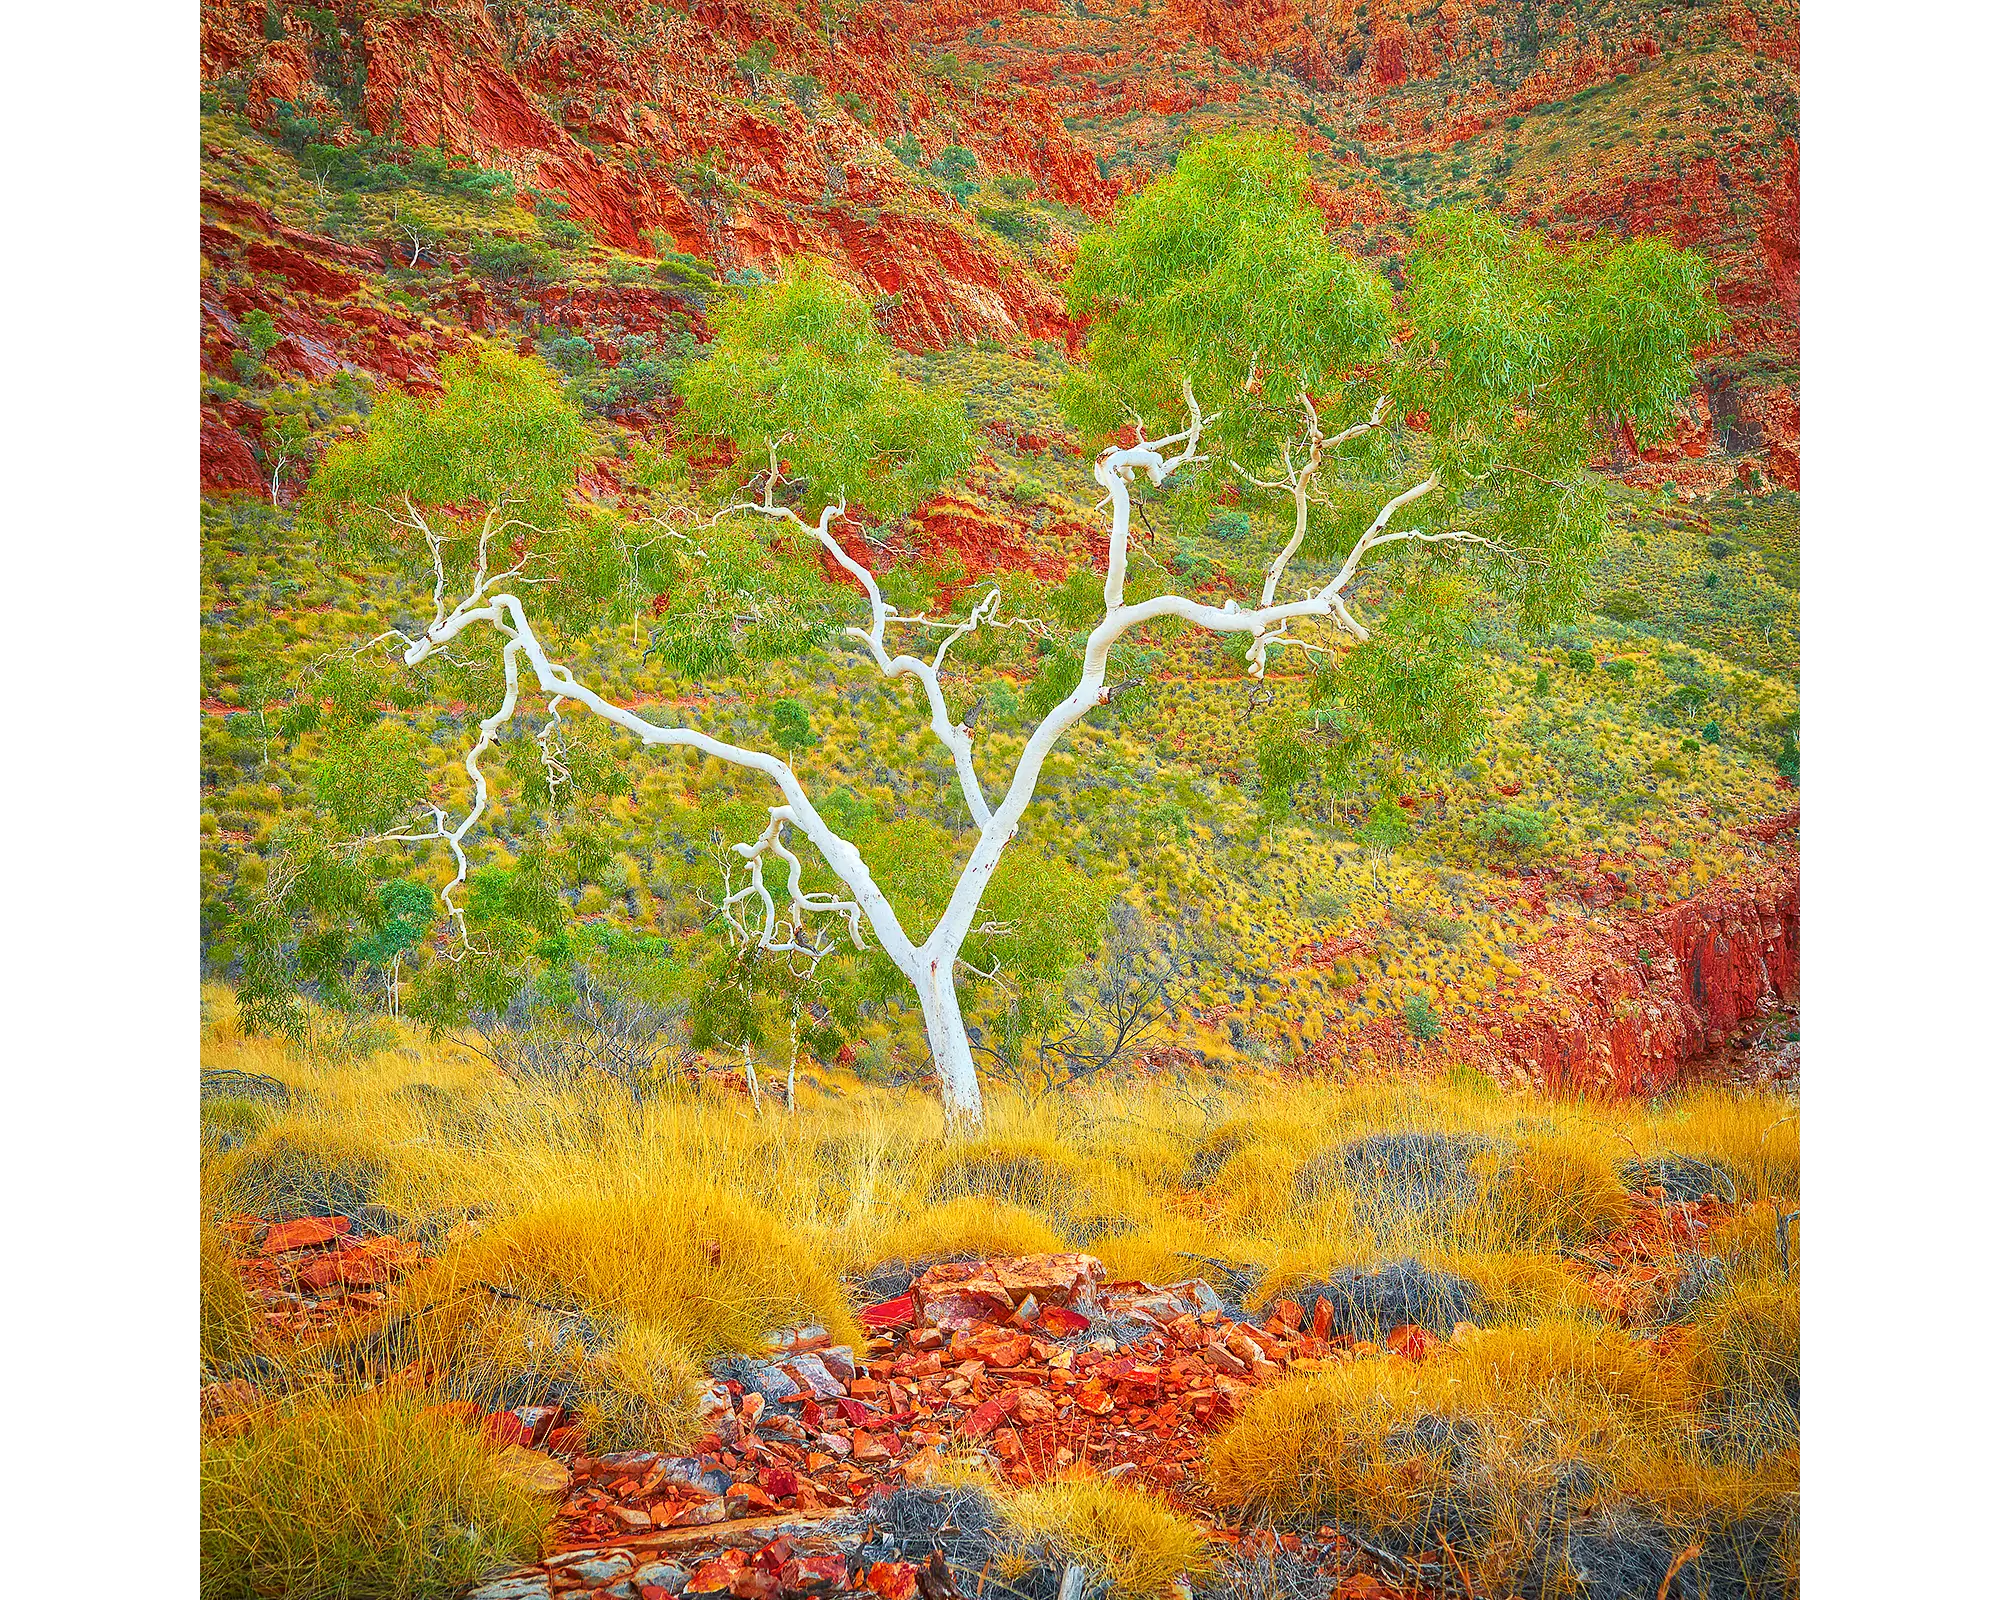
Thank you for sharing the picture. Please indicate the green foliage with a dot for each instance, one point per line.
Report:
(797, 365)
(260, 335)
(1222, 261)
(955, 168)
(369, 779)
(644, 373)
(1387, 827)
(1514, 830)
(1580, 658)
(1418, 685)
(791, 727)
(500, 428)
(1421, 1019)
(520, 261)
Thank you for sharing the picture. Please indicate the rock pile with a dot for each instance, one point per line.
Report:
(1036, 1363)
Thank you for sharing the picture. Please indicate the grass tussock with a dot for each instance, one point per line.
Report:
(1557, 1188)
(1123, 1537)
(228, 1320)
(1481, 1445)
(967, 1226)
(616, 1248)
(363, 1496)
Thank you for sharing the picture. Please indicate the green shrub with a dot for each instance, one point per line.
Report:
(1423, 1021)
(1516, 830)
(1388, 826)
(514, 260)
(1580, 659)
(791, 727)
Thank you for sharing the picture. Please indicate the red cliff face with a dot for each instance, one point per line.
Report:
(743, 134)
(1645, 1001)
(651, 133)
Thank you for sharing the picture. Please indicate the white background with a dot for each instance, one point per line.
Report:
(99, 651)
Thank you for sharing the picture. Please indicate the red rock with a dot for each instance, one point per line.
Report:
(714, 1576)
(503, 1427)
(900, 1312)
(892, 1580)
(302, 1234)
(982, 1419)
(1410, 1340)
(779, 1481)
(1062, 1322)
(745, 1499)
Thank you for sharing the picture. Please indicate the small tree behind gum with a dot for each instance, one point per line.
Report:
(1218, 280)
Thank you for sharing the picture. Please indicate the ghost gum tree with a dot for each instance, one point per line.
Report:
(1438, 437)
(1475, 395)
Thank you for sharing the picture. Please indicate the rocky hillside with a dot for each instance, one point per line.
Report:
(362, 160)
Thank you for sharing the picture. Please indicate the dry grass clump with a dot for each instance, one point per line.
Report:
(970, 1226)
(227, 1319)
(1743, 1346)
(1479, 1445)
(369, 1495)
(703, 1264)
(1754, 1138)
(1555, 1188)
(1124, 1537)
(1519, 1286)
(625, 1381)
(300, 1167)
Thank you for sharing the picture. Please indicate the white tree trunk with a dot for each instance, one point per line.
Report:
(951, 1047)
(931, 967)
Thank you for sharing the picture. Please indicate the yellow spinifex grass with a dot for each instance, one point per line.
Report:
(607, 1250)
(362, 1495)
(1126, 1537)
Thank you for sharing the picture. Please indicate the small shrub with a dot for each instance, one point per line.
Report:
(570, 354)
(519, 261)
(369, 1496)
(1580, 659)
(1229, 526)
(1512, 830)
(791, 727)
(1421, 1019)
(1387, 827)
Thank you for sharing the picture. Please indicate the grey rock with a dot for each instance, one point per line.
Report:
(594, 1566)
(531, 1586)
(813, 1375)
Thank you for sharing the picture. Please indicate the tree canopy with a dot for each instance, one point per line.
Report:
(798, 366)
(1474, 399)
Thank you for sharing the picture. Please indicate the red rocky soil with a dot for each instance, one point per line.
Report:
(1035, 1364)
